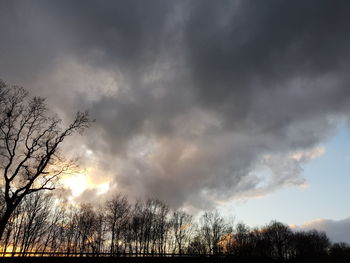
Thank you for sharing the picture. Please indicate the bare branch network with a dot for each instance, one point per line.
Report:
(30, 139)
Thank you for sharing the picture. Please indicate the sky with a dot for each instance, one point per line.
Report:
(241, 106)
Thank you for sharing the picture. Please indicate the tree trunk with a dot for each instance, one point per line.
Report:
(4, 220)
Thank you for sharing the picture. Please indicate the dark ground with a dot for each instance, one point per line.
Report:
(149, 260)
(119, 260)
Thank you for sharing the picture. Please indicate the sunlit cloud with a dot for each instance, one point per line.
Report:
(308, 154)
(79, 182)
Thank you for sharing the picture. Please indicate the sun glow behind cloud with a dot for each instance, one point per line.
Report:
(79, 182)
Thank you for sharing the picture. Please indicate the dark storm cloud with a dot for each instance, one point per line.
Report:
(258, 47)
(195, 101)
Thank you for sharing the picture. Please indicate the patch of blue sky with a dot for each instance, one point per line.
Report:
(327, 194)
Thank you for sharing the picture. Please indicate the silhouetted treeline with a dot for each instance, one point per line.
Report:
(41, 224)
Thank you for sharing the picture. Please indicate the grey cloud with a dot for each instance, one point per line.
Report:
(189, 97)
(262, 47)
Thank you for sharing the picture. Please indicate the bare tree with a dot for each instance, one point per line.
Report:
(54, 238)
(117, 216)
(197, 246)
(243, 242)
(213, 228)
(36, 213)
(86, 227)
(71, 234)
(182, 227)
(278, 238)
(30, 140)
(99, 236)
(311, 244)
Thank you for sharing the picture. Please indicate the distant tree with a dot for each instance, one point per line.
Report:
(117, 217)
(197, 246)
(36, 219)
(182, 227)
(55, 234)
(213, 228)
(340, 252)
(311, 244)
(88, 228)
(243, 243)
(30, 140)
(278, 237)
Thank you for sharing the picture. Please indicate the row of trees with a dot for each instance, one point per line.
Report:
(42, 224)
(117, 227)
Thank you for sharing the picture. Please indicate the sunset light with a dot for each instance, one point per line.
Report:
(77, 183)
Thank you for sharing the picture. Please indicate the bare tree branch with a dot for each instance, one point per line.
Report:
(30, 139)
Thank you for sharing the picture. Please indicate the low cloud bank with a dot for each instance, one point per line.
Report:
(337, 230)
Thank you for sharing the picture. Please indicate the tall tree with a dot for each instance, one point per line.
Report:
(117, 216)
(182, 227)
(30, 140)
(213, 228)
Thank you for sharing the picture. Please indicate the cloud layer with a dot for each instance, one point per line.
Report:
(193, 100)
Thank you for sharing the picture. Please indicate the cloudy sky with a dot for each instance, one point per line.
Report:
(239, 105)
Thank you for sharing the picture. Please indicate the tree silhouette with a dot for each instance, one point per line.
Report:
(30, 139)
(213, 228)
(181, 223)
(117, 211)
(145, 228)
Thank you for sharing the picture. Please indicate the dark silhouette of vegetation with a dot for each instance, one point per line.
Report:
(151, 229)
(30, 139)
(36, 223)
